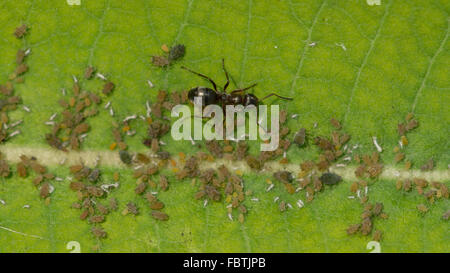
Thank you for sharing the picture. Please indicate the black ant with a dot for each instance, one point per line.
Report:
(236, 97)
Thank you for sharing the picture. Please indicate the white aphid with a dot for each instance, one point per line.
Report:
(205, 203)
(298, 189)
(358, 193)
(52, 117)
(315, 125)
(348, 158)
(230, 216)
(150, 84)
(26, 206)
(50, 123)
(131, 132)
(289, 205)
(300, 203)
(129, 118)
(255, 199)
(75, 80)
(284, 154)
(142, 117)
(108, 104)
(2, 202)
(27, 52)
(149, 109)
(341, 45)
(15, 124)
(59, 179)
(15, 133)
(379, 149)
(270, 187)
(276, 199)
(62, 161)
(63, 91)
(366, 190)
(50, 188)
(340, 165)
(162, 142)
(312, 44)
(351, 197)
(294, 116)
(111, 111)
(26, 108)
(106, 187)
(100, 76)
(401, 144)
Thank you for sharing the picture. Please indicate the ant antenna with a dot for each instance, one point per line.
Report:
(273, 94)
(201, 75)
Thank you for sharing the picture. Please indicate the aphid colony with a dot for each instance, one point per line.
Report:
(92, 197)
(9, 101)
(365, 227)
(70, 128)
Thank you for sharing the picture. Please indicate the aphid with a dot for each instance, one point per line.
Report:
(131, 207)
(89, 72)
(399, 157)
(377, 235)
(26, 206)
(282, 206)
(236, 97)
(94, 175)
(336, 124)
(98, 232)
(108, 88)
(176, 52)
(20, 56)
(300, 203)
(446, 215)
(125, 157)
(374, 139)
(108, 104)
(160, 61)
(2, 202)
(429, 165)
(158, 215)
(100, 76)
(165, 48)
(270, 187)
(21, 31)
(150, 84)
(111, 111)
(300, 137)
(26, 108)
(422, 208)
(352, 229)
(284, 176)
(341, 45)
(330, 178)
(14, 133)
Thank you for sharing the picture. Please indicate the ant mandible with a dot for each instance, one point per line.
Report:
(236, 97)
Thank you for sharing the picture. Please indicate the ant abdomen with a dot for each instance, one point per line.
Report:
(207, 95)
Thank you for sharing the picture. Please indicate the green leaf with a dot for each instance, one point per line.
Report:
(366, 65)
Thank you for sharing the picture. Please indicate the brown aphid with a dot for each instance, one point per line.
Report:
(354, 187)
(428, 166)
(336, 124)
(45, 190)
(163, 183)
(38, 179)
(366, 226)
(140, 188)
(38, 168)
(103, 209)
(98, 232)
(446, 215)
(422, 208)
(158, 215)
(352, 229)
(283, 176)
(155, 145)
(407, 185)
(253, 162)
(377, 209)
(399, 157)
(113, 204)
(84, 214)
(76, 168)
(176, 52)
(21, 169)
(108, 88)
(411, 125)
(116, 176)
(20, 56)
(131, 207)
(97, 219)
(21, 68)
(95, 191)
(157, 205)
(21, 31)
(81, 128)
(408, 165)
(282, 206)
(160, 61)
(378, 234)
(384, 215)
(89, 72)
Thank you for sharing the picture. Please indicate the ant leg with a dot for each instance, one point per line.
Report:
(243, 89)
(226, 75)
(273, 94)
(203, 76)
